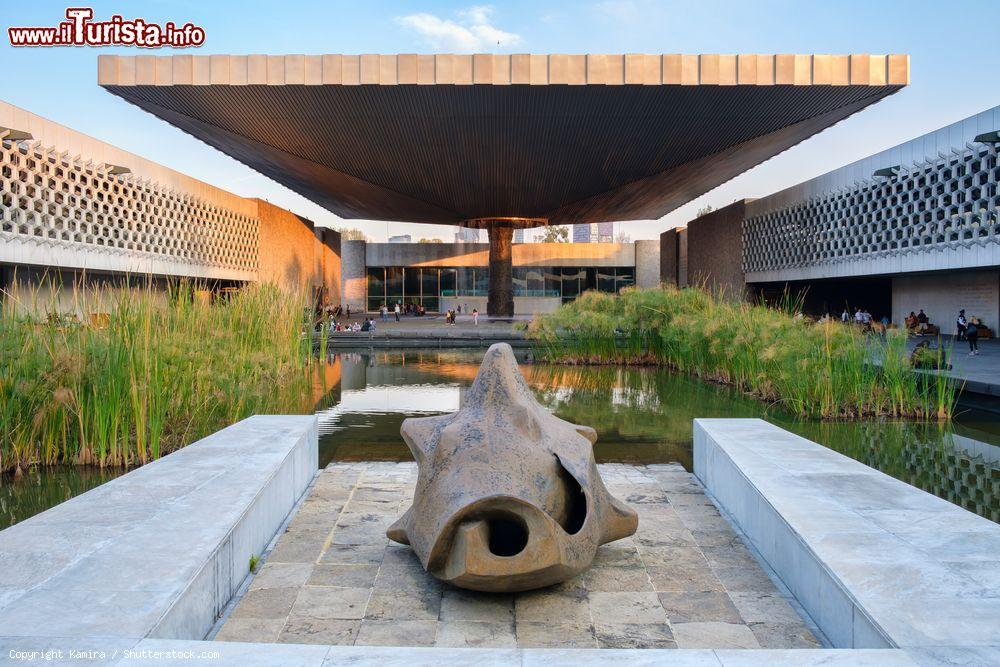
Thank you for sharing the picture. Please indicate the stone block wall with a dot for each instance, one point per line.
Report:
(715, 250)
(328, 263)
(682, 257)
(668, 257)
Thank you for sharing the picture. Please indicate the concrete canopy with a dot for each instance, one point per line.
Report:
(501, 141)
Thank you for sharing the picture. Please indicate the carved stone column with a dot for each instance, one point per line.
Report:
(501, 296)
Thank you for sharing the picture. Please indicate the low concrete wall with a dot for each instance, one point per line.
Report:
(874, 561)
(160, 551)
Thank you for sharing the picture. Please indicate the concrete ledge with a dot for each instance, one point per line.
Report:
(394, 339)
(160, 551)
(874, 561)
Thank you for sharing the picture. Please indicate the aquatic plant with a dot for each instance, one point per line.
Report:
(122, 375)
(814, 369)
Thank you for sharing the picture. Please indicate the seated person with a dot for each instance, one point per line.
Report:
(910, 321)
(922, 322)
(366, 326)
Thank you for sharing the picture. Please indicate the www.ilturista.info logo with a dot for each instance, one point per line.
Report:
(81, 30)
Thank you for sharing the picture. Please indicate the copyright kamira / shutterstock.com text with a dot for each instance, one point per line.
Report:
(81, 30)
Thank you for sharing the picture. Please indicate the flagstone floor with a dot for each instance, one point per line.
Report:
(684, 580)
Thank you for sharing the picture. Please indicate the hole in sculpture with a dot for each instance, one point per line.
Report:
(576, 502)
(508, 535)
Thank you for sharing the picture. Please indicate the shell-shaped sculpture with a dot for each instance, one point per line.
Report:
(508, 496)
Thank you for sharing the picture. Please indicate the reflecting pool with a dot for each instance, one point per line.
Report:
(642, 415)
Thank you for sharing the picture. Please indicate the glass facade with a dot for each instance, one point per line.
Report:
(425, 286)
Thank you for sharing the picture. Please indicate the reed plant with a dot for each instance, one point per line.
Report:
(823, 370)
(117, 376)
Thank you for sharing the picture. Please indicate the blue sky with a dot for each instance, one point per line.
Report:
(953, 48)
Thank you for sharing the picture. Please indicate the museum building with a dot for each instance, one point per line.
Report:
(916, 226)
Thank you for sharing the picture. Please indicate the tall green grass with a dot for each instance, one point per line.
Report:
(150, 372)
(817, 370)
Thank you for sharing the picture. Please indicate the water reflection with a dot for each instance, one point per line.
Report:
(641, 415)
(644, 415)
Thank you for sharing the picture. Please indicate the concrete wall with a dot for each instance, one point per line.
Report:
(941, 295)
(127, 214)
(131, 216)
(647, 263)
(287, 249)
(668, 256)
(715, 250)
(352, 258)
(522, 254)
(938, 209)
(682, 257)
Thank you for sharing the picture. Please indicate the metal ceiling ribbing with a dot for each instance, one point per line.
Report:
(442, 154)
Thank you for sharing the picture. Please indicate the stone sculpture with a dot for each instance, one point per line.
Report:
(508, 496)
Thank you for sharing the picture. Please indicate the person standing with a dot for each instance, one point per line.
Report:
(383, 312)
(396, 311)
(961, 324)
(475, 316)
(972, 335)
(845, 316)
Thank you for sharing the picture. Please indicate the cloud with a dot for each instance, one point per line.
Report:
(472, 31)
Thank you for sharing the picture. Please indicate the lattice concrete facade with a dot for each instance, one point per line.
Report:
(928, 204)
(49, 198)
(70, 202)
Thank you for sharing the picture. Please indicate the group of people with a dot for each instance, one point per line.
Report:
(917, 324)
(412, 309)
(451, 315)
(865, 320)
(368, 325)
(966, 328)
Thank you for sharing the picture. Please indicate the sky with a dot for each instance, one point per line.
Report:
(954, 56)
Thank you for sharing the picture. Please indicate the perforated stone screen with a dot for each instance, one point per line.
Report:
(50, 198)
(948, 203)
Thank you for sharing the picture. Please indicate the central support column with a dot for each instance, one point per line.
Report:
(501, 298)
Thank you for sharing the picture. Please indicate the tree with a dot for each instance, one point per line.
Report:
(704, 210)
(622, 237)
(425, 240)
(557, 234)
(352, 234)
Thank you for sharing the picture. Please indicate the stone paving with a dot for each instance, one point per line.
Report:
(683, 580)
